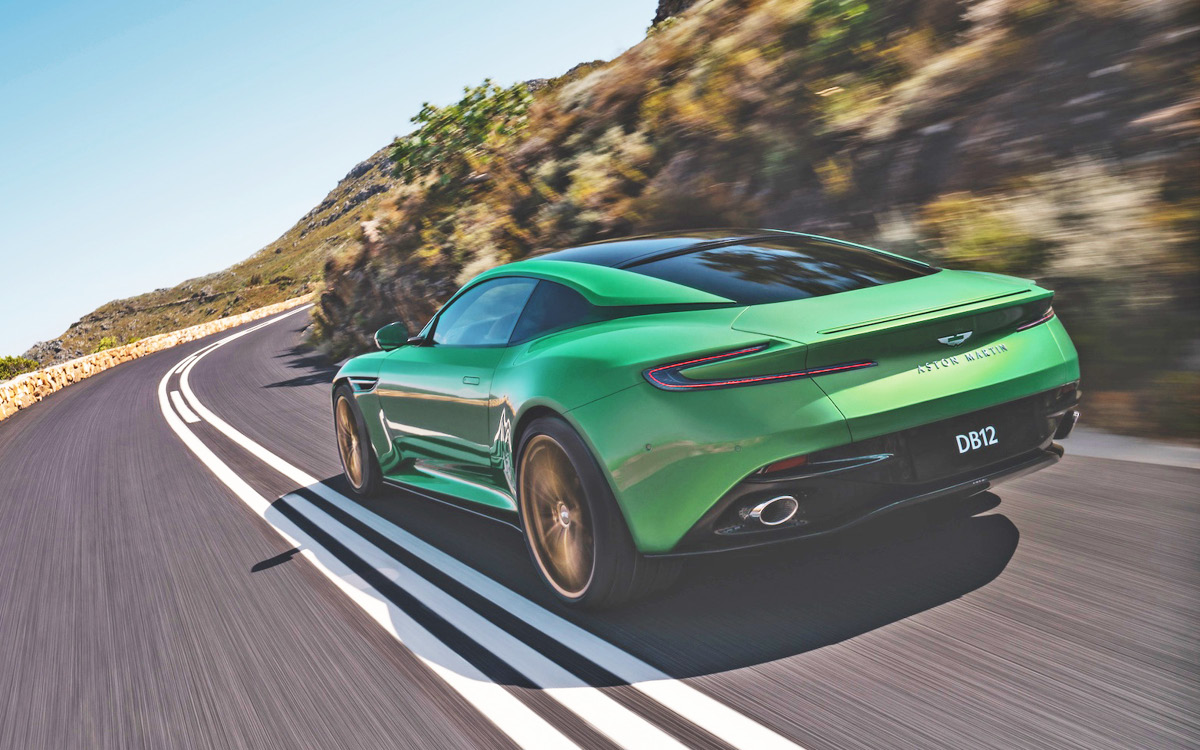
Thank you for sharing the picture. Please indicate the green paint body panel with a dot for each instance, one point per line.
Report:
(669, 456)
(700, 444)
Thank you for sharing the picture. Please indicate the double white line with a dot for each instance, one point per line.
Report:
(524, 726)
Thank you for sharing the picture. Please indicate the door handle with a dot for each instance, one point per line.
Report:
(471, 379)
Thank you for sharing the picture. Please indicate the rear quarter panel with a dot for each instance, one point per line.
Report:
(671, 455)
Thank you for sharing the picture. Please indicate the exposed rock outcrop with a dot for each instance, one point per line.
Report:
(668, 8)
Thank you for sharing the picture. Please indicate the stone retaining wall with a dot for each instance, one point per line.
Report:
(31, 387)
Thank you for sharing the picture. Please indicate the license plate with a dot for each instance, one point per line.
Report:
(969, 441)
(974, 440)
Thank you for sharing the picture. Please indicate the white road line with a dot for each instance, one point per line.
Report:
(731, 726)
(621, 725)
(734, 728)
(188, 415)
(509, 715)
(607, 716)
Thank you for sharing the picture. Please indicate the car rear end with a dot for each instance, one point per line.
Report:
(885, 384)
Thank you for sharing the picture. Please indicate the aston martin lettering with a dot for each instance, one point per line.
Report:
(958, 359)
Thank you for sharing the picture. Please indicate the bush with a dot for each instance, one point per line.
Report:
(108, 342)
(449, 139)
(973, 233)
(10, 367)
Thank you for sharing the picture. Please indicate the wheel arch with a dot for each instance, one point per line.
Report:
(368, 404)
(338, 382)
(529, 414)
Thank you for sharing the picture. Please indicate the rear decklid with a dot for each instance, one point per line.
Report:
(944, 344)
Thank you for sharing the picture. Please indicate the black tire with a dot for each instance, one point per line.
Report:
(365, 476)
(559, 483)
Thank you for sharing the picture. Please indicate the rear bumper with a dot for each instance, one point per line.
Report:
(844, 486)
(705, 540)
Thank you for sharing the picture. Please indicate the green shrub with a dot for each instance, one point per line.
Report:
(851, 35)
(107, 342)
(973, 233)
(10, 367)
(449, 139)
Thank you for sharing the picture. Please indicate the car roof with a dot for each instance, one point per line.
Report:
(627, 251)
(604, 286)
(604, 272)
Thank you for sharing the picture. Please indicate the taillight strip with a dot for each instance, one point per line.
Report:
(1048, 315)
(669, 378)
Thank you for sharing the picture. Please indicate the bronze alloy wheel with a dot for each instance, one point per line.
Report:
(556, 516)
(347, 440)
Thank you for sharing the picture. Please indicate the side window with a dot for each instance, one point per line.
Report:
(485, 314)
(553, 307)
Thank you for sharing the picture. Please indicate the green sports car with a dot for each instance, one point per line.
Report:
(631, 402)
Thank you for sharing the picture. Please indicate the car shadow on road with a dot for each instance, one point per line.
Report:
(737, 610)
(312, 368)
(740, 609)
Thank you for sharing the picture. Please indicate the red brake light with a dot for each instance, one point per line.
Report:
(669, 378)
(1046, 316)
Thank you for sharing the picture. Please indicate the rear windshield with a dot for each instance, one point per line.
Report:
(777, 271)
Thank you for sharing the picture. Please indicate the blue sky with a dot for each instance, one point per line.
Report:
(144, 143)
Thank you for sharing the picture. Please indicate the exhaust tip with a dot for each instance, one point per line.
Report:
(775, 511)
(1067, 424)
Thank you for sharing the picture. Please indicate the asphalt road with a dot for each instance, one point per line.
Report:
(156, 592)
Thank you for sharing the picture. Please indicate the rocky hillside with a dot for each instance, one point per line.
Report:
(288, 267)
(670, 9)
(1054, 139)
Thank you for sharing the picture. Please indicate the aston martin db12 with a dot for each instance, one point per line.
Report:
(631, 402)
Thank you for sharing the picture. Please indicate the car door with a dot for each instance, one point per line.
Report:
(435, 394)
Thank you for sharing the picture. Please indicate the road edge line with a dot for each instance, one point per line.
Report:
(708, 713)
(508, 714)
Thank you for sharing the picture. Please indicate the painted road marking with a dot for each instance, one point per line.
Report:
(716, 718)
(505, 711)
(604, 714)
(188, 415)
(705, 712)
(610, 718)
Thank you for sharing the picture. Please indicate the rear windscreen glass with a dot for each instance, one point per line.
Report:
(778, 271)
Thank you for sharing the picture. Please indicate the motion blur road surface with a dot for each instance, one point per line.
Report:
(143, 603)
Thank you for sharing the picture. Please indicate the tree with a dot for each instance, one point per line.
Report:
(450, 139)
(10, 367)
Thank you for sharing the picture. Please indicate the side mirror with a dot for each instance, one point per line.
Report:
(391, 336)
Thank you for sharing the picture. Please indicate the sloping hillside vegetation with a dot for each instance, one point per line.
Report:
(1052, 139)
(290, 266)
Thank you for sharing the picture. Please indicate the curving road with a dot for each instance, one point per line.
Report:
(188, 571)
